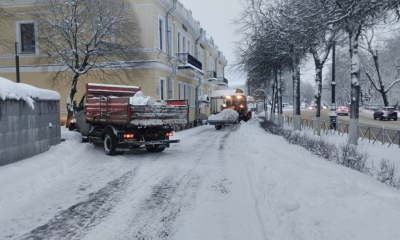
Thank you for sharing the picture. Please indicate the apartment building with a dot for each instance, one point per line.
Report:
(182, 58)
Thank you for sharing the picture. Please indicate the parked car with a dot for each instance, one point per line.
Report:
(343, 110)
(386, 113)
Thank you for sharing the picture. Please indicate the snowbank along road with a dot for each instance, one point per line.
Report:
(237, 183)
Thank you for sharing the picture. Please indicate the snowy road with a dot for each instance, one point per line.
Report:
(237, 183)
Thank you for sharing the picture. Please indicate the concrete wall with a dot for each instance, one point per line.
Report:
(25, 132)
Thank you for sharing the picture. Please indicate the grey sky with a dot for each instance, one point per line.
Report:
(216, 18)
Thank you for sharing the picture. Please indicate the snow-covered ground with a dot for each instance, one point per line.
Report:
(236, 183)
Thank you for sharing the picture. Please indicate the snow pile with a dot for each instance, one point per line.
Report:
(25, 92)
(71, 135)
(225, 115)
(140, 99)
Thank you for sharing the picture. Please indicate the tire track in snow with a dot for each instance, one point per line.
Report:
(160, 210)
(253, 196)
(171, 196)
(75, 221)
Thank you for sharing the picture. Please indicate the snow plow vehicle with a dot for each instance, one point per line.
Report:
(228, 107)
(122, 118)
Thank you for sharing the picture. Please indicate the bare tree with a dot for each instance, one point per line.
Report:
(354, 16)
(377, 79)
(82, 37)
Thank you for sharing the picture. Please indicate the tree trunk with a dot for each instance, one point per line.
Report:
(317, 97)
(354, 33)
(296, 95)
(272, 116)
(70, 99)
(384, 96)
(279, 90)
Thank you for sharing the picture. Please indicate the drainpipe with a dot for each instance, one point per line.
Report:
(197, 87)
(197, 102)
(196, 43)
(216, 63)
(170, 56)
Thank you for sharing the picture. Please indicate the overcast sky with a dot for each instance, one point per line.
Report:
(216, 19)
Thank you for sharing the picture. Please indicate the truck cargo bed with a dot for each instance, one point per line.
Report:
(112, 106)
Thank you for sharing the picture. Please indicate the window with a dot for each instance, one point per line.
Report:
(190, 95)
(26, 36)
(188, 50)
(161, 34)
(193, 95)
(179, 42)
(171, 44)
(162, 89)
(184, 45)
(171, 89)
(185, 91)
(179, 90)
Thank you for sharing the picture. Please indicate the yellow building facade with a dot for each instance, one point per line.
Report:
(183, 46)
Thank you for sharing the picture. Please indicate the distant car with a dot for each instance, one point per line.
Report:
(386, 113)
(342, 110)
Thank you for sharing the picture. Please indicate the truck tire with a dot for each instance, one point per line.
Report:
(110, 143)
(218, 127)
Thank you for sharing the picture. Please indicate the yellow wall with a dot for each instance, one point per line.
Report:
(148, 12)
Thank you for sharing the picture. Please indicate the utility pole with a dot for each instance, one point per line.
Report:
(332, 114)
(17, 61)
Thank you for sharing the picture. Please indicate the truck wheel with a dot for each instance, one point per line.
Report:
(109, 143)
(150, 148)
(72, 127)
(218, 127)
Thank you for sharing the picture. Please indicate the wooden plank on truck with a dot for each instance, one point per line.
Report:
(97, 90)
(156, 115)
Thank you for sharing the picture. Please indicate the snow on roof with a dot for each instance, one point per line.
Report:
(25, 92)
(110, 85)
(221, 93)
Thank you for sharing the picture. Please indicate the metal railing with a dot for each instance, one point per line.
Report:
(366, 133)
(187, 58)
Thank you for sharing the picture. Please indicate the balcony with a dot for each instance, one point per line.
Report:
(212, 74)
(187, 61)
(225, 81)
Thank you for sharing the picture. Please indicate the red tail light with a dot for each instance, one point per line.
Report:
(169, 134)
(395, 111)
(129, 135)
(384, 111)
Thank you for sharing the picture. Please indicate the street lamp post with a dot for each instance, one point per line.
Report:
(332, 114)
(17, 61)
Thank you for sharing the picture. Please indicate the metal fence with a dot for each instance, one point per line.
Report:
(366, 133)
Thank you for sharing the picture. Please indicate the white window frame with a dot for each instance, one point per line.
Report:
(172, 39)
(183, 44)
(163, 88)
(185, 91)
(18, 35)
(179, 41)
(193, 95)
(189, 95)
(161, 38)
(171, 88)
(179, 90)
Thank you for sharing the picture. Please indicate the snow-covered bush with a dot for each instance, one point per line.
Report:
(346, 155)
(352, 157)
(387, 174)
